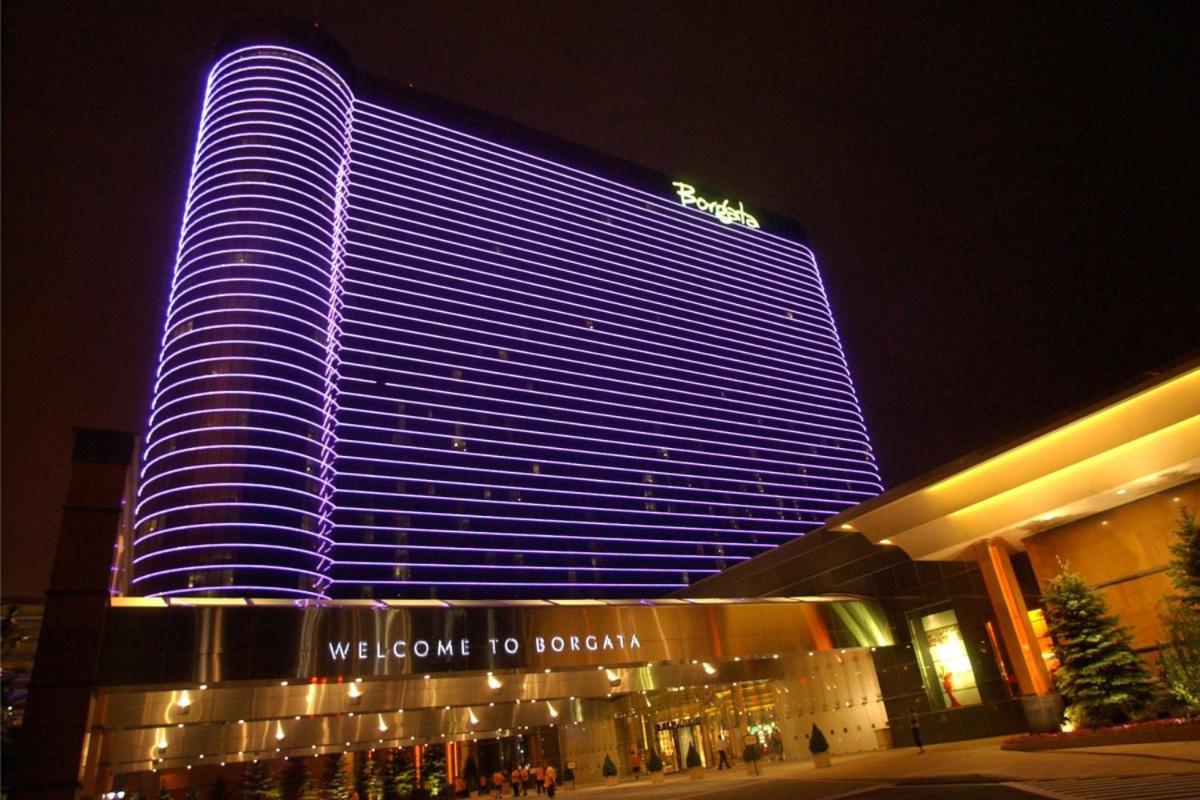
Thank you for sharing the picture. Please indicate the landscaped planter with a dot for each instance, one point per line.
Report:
(656, 777)
(610, 780)
(1175, 730)
(696, 773)
(822, 759)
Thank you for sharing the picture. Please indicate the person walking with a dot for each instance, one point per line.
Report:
(723, 752)
(525, 779)
(539, 778)
(514, 777)
(551, 780)
(914, 724)
(635, 763)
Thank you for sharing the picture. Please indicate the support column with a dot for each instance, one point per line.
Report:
(63, 731)
(1012, 617)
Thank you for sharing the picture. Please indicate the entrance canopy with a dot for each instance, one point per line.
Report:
(190, 682)
(1140, 443)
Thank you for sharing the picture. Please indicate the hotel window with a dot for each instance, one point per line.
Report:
(945, 663)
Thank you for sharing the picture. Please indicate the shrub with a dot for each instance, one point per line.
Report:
(654, 764)
(609, 770)
(817, 742)
(693, 757)
(751, 753)
(1102, 680)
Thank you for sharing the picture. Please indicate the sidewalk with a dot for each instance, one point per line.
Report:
(983, 757)
(970, 761)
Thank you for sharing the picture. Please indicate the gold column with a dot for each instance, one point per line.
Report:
(1012, 617)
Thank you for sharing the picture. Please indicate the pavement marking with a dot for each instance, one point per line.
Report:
(858, 792)
(1141, 787)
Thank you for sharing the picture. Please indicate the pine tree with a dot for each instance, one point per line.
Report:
(397, 777)
(692, 759)
(1101, 679)
(609, 770)
(1179, 656)
(337, 783)
(292, 781)
(259, 783)
(817, 743)
(370, 782)
(1185, 560)
(433, 769)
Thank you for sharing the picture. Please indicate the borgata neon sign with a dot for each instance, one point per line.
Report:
(723, 210)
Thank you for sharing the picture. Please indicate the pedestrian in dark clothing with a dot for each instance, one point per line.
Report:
(914, 724)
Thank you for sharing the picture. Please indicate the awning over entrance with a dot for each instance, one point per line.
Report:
(1143, 442)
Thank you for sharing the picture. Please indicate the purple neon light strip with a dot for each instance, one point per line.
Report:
(622, 585)
(225, 566)
(701, 226)
(573, 259)
(287, 530)
(548, 356)
(207, 264)
(244, 589)
(492, 214)
(305, 552)
(790, 448)
(548, 490)
(565, 332)
(532, 587)
(710, 543)
(196, 227)
(442, 186)
(675, 218)
(460, 265)
(527, 551)
(233, 392)
(655, 464)
(633, 266)
(658, 200)
(678, 443)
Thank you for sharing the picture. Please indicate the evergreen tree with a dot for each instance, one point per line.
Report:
(370, 782)
(433, 769)
(259, 783)
(218, 790)
(655, 763)
(692, 759)
(609, 770)
(1102, 680)
(291, 782)
(1179, 656)
(397, 777)
(337, 783)
(1185, 560)
(817, 743)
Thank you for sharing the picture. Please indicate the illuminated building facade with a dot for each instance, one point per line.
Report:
(413, 352)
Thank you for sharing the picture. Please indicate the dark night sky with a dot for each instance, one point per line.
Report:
(1002, 198)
